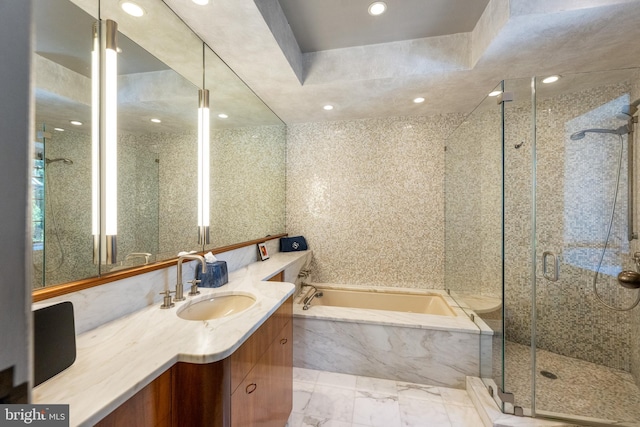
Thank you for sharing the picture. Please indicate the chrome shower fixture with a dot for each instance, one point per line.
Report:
(629, 110)
(622, 130)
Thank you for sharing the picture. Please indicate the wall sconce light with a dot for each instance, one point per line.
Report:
(104, 135)
(203, 166)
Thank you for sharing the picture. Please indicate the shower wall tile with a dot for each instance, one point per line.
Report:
(635, 245)
(369, 197)
(68, 245)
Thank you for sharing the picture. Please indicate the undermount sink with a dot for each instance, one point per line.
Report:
(216, 307)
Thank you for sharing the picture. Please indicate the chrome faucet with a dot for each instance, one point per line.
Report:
(194, 283)
(310, 297)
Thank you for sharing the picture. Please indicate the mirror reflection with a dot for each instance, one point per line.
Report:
(62, 242)
(247, 160)
(160, 70)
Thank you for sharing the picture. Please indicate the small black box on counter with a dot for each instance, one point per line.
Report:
(215, 276)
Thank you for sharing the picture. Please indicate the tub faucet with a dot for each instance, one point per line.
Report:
(179, 286)
(308, 299)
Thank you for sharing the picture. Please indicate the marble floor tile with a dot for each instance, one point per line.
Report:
(331, 403)
(422, 413)
(376, 410)
(326, 399)
(301, 395)
(305, 375)
(463, 416)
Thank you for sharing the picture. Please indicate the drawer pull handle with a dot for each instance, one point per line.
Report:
(283, 341)
(251, 388)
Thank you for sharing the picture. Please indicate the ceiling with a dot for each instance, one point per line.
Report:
(300, 55)
(334, 24)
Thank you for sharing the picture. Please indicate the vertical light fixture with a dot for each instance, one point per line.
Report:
(203, 166)
(95, 142)
(105, 142)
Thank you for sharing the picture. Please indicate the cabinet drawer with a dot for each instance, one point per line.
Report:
(243, 359)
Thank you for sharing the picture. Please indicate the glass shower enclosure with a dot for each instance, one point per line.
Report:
(541, 217)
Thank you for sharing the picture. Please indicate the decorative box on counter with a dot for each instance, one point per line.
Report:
(215, 276)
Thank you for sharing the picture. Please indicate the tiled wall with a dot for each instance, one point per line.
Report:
(368, 195)
(635, 247)
(247, 183)
(68, 248)
(473, 205)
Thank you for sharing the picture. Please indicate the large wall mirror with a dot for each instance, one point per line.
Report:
(161, 66)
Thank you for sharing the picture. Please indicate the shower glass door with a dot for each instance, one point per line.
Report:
(585, 353)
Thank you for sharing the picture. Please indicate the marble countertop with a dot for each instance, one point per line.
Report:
(119, 358)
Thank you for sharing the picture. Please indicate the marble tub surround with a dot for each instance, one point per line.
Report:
(396, 346)
(119, 358)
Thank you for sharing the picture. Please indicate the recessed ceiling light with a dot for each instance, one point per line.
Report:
(59, 129)
(201, 2)
(75, 122)
(495, 93)
(132, 9)
(551, 79)
(418, 100)
(377, 8)
(328, 107)
(223, 116)
(156, 120)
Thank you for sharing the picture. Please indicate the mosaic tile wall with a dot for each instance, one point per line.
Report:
(368, 195)
(247, 183)
(473, 205)
(247, 187)
(68, 246)
(635, 247)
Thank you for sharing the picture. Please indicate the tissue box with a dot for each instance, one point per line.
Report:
(215, 276)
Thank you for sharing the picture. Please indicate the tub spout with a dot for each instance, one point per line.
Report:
(307, 300)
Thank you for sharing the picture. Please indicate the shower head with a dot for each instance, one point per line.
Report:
(60, 159)
(622, 130)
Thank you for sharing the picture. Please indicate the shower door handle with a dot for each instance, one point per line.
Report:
(555, 267)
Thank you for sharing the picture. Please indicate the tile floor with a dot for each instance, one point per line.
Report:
(582, 388)
(327, 399)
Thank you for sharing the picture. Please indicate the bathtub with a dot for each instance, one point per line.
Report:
(390, 301)
(399, 334)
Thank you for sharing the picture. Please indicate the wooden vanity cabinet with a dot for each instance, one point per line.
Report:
(252, 387)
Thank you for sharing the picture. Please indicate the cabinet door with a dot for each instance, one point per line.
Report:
(281, 376)
(265, 397)
(250, 401)
(150, 407)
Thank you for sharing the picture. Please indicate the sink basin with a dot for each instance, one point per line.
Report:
(216, 307)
